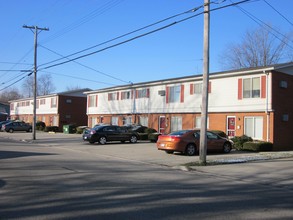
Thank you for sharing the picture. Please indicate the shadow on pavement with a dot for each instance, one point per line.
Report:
(15, 154)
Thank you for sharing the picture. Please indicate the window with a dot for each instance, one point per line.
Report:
(69, 101)
(142, 93)
(127, 120)
(174, 94)
(93, 101)
(251, 88)
(144, 121)
(125, 95)
(176, 123)
(253, 127)
(113, 96)
(53, 102)
(197, 88)
(114, 120)
(42, 101)
(198, 122)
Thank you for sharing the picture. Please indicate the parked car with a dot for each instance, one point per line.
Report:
(3, 123)
(107, 133)
(16, 126)
(187, 141)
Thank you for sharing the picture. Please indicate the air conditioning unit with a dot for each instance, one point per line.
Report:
(283, 84)
(162, 92)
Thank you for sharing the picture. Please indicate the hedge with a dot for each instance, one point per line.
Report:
(51, 128)
(258, 146)
(239, 141)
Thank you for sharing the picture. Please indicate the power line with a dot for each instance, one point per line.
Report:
(278, 12)
(142, 35)
(90, 68)
(124, 35)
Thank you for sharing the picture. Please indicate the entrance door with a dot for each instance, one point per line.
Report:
(162, 124)
(231, 126)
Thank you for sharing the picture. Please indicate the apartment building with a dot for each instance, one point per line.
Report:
(55, 109)
(256, 102)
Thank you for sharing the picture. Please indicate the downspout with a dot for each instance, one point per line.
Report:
(267, 105)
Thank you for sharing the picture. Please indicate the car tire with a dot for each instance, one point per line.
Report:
(133, 139)
(227, 147)
(190, 150)
(10, 130)
(103, 140)
(29, 130)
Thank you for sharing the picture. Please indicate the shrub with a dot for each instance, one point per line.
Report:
(150, 130)
(258, 146)
(240, 140)
(143, 136)
(40, 125)
(51, 128)
(153, 137)
(80, 129)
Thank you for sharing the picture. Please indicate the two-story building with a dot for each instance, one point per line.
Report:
(4, 111)
(256, 102)
(55, 109)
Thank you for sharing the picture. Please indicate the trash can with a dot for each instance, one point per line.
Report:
(69, 129)
(66, 129)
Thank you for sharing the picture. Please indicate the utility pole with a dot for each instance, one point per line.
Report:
(205, 83)
(36, 30)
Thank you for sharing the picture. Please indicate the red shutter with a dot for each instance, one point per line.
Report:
(136, 94)
(182, 94)
(88, 101)
(148, 92)
(167, 94)
(96, 100)
(109, 96)
(263, 87)
(191, 88)
(117, 95)
(210, 87)
(131, 94)
(239, 88)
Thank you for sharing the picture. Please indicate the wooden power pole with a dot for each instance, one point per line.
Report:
(36, 31)
(205, 83)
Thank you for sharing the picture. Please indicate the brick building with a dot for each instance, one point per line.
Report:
(256, 102)
(55, 109)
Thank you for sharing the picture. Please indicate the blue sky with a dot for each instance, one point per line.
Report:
(75, 25)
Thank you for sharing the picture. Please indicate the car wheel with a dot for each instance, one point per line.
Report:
(29, 130)
(133, 139)
(10, 130)
(227, 147)
(102, 140)
(190, 150)
(169, 151)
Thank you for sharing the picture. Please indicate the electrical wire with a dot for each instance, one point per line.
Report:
(90, 68)
(278, 12)
(142, 35)
(124, 35)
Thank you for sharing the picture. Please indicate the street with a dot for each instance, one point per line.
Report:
(62, 177)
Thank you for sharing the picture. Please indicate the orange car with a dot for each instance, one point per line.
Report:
(187, 141)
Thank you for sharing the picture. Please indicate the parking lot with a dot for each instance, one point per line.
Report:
(143, 151)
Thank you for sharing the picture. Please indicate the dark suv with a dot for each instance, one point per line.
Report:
(106, 133)
(16, 126)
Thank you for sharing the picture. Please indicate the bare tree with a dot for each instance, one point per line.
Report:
(10, 94)
(72, 88)
(257, 48)
(44, 85)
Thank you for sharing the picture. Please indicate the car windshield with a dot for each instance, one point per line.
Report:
(182, 132)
